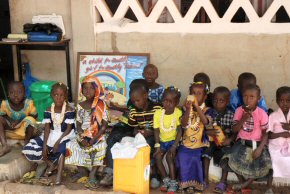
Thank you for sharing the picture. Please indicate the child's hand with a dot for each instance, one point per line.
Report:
(13, 124)
(84, 143)
(188, 105)
(146, 133)
(285, 134)
(44, 152)
(55, 147)
(212, 132)
(227, 142)
(286, 126)
(246, 116)
(172, 151)
(157, 151)
(257, 153)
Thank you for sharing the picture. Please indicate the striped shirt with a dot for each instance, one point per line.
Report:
(143, 118)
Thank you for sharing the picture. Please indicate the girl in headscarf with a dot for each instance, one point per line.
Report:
(88, 150)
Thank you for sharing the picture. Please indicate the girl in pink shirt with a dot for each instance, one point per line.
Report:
(279, 126)
(248, 158)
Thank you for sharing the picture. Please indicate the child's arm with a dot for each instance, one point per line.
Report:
(172, 150)
(157, 140)
(202, 116)
(65, 133)
(100, 132)
(237, 127)
(284, 134)
(185, 117)
(115, 106)
(257, 152)
(45, 138)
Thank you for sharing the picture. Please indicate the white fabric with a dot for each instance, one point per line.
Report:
(128, 149)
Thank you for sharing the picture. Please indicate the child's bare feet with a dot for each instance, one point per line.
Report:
(6, 149)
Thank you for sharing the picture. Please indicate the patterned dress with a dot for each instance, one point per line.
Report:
(91, 156)
(24, 115)
(33, 150)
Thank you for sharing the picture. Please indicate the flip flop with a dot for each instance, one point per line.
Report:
(220, 188)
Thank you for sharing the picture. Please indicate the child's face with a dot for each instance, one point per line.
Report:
(251, 98)
(150, 74)
(245, 83)
(88, 90)
(199, 93)
(169, 103)
(139, 99)
(284, 102)
(59, 96)
(220, 102)
(16, 93)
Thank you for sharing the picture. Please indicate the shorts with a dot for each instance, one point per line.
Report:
(165, 146)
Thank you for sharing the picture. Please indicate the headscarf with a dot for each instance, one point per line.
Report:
(98, 107)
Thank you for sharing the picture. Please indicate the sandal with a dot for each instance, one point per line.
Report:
(45, 181)
(190, 190)
(237, 187)
(92, 184)
(51, 169)
(220, 188)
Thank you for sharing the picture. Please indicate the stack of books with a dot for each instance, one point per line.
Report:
(15, 38)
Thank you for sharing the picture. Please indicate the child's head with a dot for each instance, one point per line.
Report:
(221, 98)
(150, 73)
(16, 92)
(139, 96)
(283, 98)
(198, 89)
(139, 83)
(202, 77)
(92, 88)
(59, 93)
(245, 79)
(170, 99)
(251, 96)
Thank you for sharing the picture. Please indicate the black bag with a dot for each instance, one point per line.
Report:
(46, 27)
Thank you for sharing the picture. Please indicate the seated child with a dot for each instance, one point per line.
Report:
(223, 118)
(59, 121)
(248, 158)
(88, 150)
(167, 133)
(141, 118)
(279, 127)
(236, 99)
(17, 116)
(194, 120)
(150, 74)
(204, 78)
(120, 130)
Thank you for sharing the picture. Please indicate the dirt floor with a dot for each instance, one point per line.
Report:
(255, 188)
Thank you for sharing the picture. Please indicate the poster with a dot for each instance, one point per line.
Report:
(115, 72)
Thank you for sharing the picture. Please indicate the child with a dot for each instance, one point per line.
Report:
(223, 118)
(193, 121)
(279, 126)
(141, 118)
(248, 158)
(167, 133)
(150, 73)
(89, 148)
(59, 121)
(17, 116)
(204, 78)
(236, 99)
(120, 130)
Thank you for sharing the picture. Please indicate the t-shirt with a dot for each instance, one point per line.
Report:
(155, 95)
(143, 118)
(253, 127)
(168, 123)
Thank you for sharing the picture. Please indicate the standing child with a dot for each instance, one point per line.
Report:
(59, 121)
(249, 158)
(204, 78)
(167, 132)
(150, 73)
(194, 120)
(279, 127)
(17, 116)
(89, 148)
(223, 118)
(236, 99)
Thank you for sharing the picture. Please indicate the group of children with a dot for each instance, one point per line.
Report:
(232, 127)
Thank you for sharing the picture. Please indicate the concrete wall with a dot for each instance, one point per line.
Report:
(177, 56)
